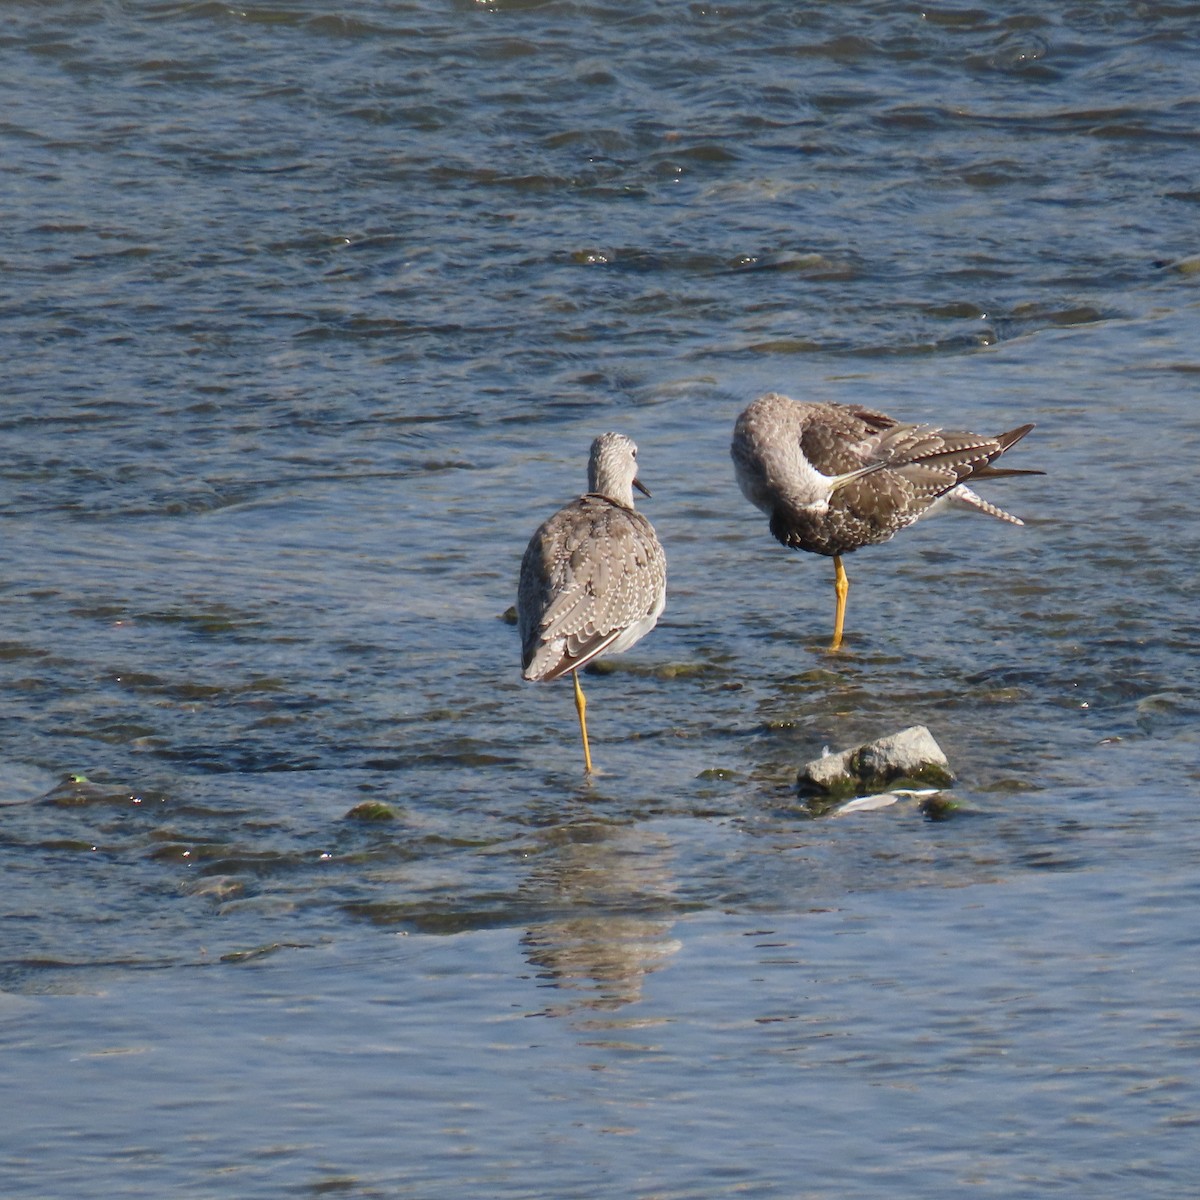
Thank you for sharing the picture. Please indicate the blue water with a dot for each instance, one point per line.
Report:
(308, 319)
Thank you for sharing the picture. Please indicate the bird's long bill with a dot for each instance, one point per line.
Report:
(641, 487)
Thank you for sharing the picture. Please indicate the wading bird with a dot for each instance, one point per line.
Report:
(835, 477)
(594, 577)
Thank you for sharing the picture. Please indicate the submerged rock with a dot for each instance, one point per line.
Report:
(910, 758)
(78, 791)
(371, 810)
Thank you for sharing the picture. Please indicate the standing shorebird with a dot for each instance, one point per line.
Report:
(594, 578)
(835, 477)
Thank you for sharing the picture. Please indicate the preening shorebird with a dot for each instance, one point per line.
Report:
(835, 477)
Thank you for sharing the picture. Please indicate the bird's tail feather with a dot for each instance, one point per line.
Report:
(968, 499)
(1000, 472)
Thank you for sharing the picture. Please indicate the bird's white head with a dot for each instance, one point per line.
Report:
(612, 469)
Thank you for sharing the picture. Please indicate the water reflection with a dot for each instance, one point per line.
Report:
(609, 882)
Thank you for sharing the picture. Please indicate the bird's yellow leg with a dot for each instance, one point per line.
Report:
(841, 585)
(581, 709)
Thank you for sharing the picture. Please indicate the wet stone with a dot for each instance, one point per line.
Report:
(371, 810)
(909, 758)
(78, 791)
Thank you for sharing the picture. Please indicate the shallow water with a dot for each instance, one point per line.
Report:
(310, 317)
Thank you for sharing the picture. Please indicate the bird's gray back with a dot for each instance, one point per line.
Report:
(593, 578)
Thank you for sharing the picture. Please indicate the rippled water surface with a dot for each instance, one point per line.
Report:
(308, 317)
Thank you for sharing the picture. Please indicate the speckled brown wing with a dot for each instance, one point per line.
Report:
(593, 578)
(924, 464)
(845, 438)
(917, 464)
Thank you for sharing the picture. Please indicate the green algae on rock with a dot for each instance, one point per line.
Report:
(371, 810)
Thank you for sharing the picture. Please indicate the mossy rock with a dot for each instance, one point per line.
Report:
(721, 774)
(371, 810)
(940, 807)
(78, 791)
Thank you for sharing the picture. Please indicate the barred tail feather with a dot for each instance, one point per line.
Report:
(964, 496)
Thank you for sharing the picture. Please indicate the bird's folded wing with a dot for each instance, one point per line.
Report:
(602, 581)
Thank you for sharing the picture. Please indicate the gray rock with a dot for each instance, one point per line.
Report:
(910, 757)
